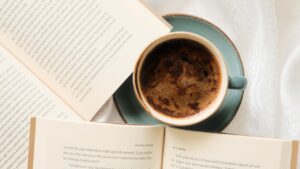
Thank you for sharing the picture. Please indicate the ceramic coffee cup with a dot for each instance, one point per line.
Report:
(227, 82)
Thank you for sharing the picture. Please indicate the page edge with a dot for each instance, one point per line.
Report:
(294, 155)
(31, 142)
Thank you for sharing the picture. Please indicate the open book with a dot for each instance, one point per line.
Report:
(64, 59)
(73, 145)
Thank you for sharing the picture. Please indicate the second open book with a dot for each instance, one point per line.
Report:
(63, 144)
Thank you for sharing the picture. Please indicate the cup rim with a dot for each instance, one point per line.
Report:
(201, 115)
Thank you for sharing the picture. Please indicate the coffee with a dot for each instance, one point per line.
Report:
(180, 78)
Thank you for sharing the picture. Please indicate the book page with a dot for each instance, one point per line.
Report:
(22, 96)
(199, 150)
(82, 50)
(83, 145)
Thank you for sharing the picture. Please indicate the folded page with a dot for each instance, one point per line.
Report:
(73, 145)
(82, 50)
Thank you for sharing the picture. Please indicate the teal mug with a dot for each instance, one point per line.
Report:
(227, 82)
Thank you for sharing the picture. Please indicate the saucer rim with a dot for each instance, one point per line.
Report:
(234, 48)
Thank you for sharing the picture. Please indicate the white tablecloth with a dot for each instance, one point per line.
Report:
(267, 35)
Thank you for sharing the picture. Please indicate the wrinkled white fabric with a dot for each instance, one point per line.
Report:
(267, 35)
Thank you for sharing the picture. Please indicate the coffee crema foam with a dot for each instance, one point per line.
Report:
(180, 78)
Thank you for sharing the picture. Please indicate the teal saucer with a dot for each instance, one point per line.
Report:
(130, 109)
